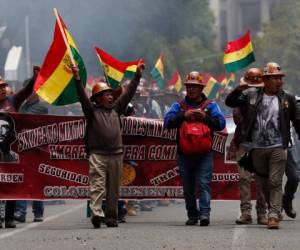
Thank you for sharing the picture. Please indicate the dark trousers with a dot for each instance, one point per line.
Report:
(9, 210)
(292, 172)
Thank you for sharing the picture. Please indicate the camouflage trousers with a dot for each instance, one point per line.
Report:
(245, 190)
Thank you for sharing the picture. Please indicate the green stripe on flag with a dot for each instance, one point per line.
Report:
(214, 91)
(158, 78)
(234, 66)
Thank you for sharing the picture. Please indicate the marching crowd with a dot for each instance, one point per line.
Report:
(264, 114)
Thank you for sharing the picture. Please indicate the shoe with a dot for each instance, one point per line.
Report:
(10, 224)
(280, 217)
(1, 226)
(262, 220)
(244, 219)
(96, 221)
(191, 222)
(111, 223)
(38, 218)
(273, 223)
(131, 212)
(19, 217)
(204, 220)
(288, 209)
(121, 219)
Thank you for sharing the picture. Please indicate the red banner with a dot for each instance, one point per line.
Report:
(47, 160)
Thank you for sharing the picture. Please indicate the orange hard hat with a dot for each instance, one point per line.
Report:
(272, 69)
(99, 88)
(253, 76)
(194, 77)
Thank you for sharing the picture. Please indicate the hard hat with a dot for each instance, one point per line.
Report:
(99, 88)
(272, 69)
(253, 77)
(194, 77)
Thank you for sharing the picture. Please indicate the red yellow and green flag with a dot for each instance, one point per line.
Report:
(212, 87)
(223, 80)
(176, 81)
(231, 80)
(157, 72)
(114, 69)
(238, 53)
(55, 82)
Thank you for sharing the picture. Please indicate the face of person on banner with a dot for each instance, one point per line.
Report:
(7, 137)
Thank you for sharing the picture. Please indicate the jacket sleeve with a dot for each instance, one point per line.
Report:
(296, 115)
(23, 94)
(86, 104)
(127, 95)
(214, 118)
(236, 99)
(174, 117)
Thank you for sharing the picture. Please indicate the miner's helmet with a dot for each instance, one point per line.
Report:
(98, 89)
(194, 77)
(253, 77)
(272, 69)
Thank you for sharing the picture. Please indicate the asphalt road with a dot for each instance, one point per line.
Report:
(66, 227)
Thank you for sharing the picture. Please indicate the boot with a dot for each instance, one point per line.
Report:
(244, 219)
(273, 223)
(191, 221)
(262, 220)
(288, 209)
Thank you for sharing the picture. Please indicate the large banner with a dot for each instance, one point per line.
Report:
(43, 157)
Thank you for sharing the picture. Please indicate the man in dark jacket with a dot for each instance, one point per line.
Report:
(104, 144)
(196, 168)
(269, 112)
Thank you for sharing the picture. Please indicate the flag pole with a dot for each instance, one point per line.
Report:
(64, 37)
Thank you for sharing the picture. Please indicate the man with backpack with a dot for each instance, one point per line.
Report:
(196, 118)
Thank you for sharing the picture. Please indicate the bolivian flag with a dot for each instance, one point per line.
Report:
(157, 72)
(176, 81)
(115, 69)
(223, 80)
(212, 87)
(231, 80)
(55, 82)
(238, 53)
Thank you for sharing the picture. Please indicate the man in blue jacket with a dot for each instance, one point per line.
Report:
(195, 167)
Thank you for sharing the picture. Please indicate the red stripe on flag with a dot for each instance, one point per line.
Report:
(53, 58)
(238, 44)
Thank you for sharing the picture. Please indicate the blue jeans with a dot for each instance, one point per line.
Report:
(292, 172)
(196, 174)
(37, 207)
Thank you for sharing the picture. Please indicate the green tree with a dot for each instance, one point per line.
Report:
(280, 42)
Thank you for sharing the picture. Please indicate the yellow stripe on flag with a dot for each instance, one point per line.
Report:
(209, 86)
(131, 68)
(238, 55)
(56, 83)
(70, 40)
(113, 73)
(160, 67)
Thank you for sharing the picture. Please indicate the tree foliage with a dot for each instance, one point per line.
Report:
(280, 42)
